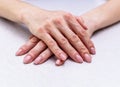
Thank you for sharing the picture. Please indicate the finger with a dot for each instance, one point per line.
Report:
(78, 29)
(27, 46)
(59, 62)
(51, 43)
(34, 52)
(31, 37)
(65, 45)
(74, 40)
(45, 55)
(81, 22)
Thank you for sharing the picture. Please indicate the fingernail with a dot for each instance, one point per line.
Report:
(88, 58)
(38, 60)
(79, 58)
(93, 50)
(27, 59)
(58, 62)
(63, 57)
(19, 52)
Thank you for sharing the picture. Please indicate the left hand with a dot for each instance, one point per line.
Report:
(39, 51)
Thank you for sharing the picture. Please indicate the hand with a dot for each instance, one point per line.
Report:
(62, 33)
(36, 47)
(39, 51)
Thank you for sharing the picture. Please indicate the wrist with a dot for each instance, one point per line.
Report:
(101, 16)
(25, 13)
(95, 19)
(90, 23)
(28, 14)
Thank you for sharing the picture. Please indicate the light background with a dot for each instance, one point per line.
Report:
(104, 70)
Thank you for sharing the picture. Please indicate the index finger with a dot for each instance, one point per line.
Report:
(81, 32)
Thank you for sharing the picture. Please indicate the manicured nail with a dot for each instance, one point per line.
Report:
(19, 52)
(79, 58)
(63, 57)
(88, 58)
(93, 50)
(27, 59)
(59, 62)
(38, 60)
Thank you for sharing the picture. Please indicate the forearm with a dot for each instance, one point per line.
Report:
(14, 10)
(10, 9)
(102, 16)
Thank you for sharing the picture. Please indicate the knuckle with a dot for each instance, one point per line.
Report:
(41, 44)
(68, 15)
(51, 43)
(57, 51)
(63, 41)
(34, 40)
(74, 38)
(47, 25)
(83, 50)
(58, 20)
(83, 33)
(41, 32)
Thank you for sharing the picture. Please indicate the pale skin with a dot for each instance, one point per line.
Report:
(70, 30)
(59, 30)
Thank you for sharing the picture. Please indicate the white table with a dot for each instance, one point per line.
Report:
(104, 70)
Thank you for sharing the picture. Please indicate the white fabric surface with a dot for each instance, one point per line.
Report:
(104, 70)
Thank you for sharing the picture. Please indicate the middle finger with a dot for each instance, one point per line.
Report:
(65, 45)
(74, 40)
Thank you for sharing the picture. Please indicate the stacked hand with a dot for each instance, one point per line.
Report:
(56, 32)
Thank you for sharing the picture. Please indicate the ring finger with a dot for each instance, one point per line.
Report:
(74, 40)
(65, 45)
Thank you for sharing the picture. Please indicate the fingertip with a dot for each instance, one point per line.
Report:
(59, 62)
(63, 56)
(27, 59)
(38, 60)
(93, 50)
(19, 52)
(88, 58)
(79, 59)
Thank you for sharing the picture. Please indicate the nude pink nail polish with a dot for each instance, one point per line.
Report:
(38, 60)
(93, 50)
(79, 58)
(19, 52)
(58, 62)
(88, 58)
(27, 59)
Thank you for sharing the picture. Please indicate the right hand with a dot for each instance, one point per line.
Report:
(62, 33)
